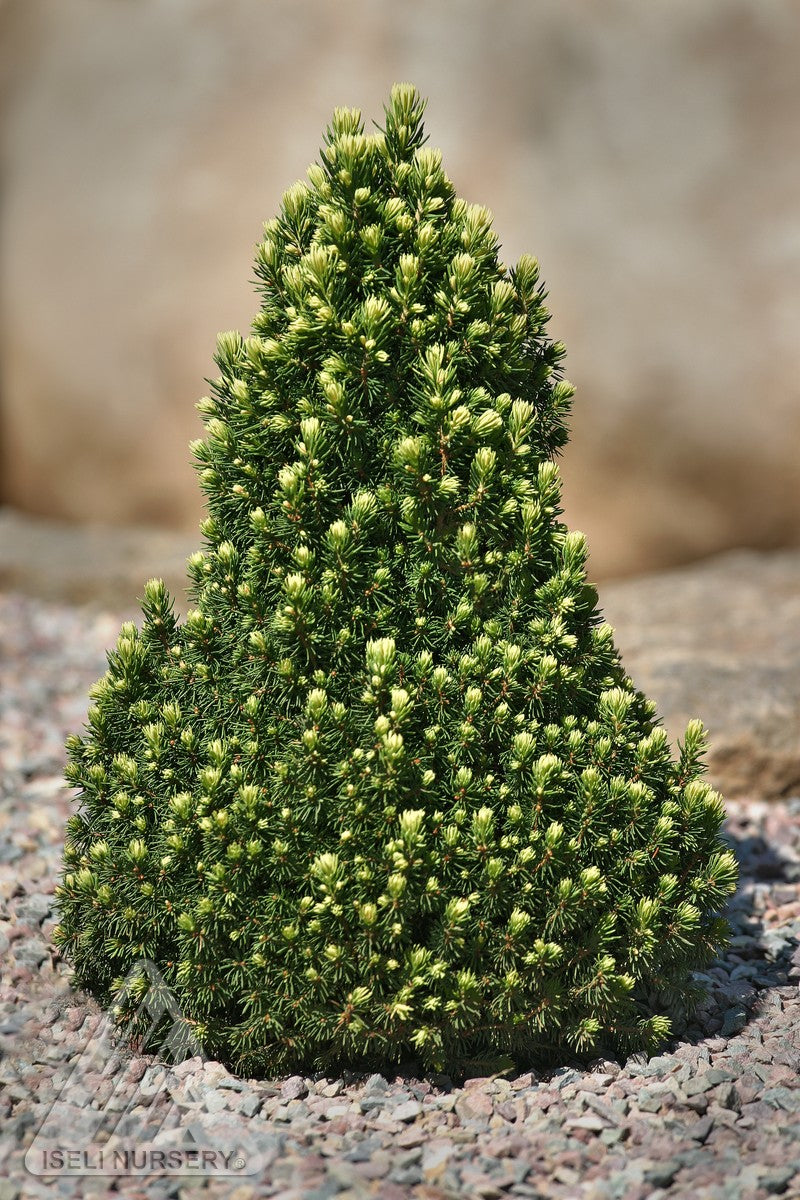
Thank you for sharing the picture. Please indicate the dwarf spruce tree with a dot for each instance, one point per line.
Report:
(388, 791)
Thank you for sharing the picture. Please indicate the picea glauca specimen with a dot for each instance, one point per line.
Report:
(388, 791)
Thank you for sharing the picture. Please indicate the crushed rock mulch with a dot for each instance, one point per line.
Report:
(714, 1116)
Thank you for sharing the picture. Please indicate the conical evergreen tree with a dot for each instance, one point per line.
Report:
(388, 789)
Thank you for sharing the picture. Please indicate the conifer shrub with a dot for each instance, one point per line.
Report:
(387, 790)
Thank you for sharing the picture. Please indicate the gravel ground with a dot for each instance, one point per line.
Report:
(715, 1116)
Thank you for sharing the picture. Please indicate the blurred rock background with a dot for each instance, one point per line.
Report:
(647, 153)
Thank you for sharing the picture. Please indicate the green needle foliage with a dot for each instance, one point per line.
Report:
(388, 790)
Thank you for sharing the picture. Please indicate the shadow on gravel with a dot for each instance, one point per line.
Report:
(758, 959)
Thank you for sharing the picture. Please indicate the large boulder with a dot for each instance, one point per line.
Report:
(720, 640)
(97, 566)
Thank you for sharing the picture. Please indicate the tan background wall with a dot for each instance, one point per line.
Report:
(645, 150)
